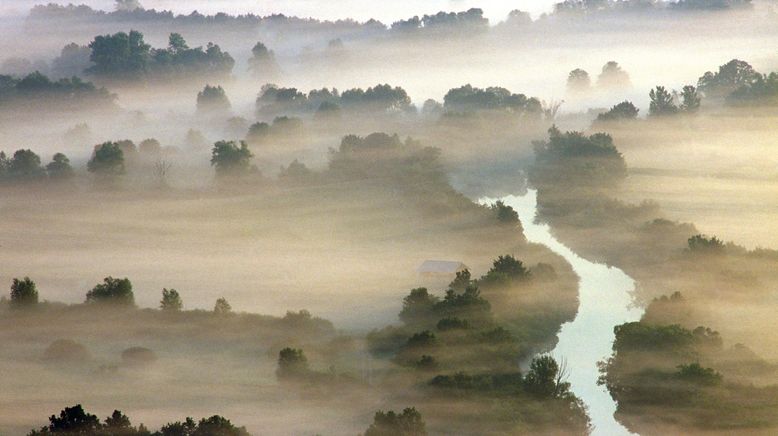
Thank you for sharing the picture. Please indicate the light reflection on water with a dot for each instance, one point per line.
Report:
(605, 302)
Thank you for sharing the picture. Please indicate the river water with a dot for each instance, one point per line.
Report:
(605, 302)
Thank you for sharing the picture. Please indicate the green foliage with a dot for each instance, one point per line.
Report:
(572, 159)
(119, 55)
(171, 301)
(578, 81)
(505, 213)
(229, 159)
(417, 306)
(24, 293)
(114, 291)
(37, 87)
(613, 76)
(702, 244)
(107, 160)
(212, 99)
(59, 168)
(662, 102)
(127, 56)
(76, 421)
(25, 166)
(425, 339)
(509, 383)
(467, 99)
(461, 281)
(546, 379)
(222, 307)
(690, 99)
(292, 365)
(695, 373)
(407, 423)
(730, 76)
(505, 271)
(263, 62)
(450, 323)
(623, 111)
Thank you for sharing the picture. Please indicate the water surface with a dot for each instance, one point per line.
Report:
(605, 301)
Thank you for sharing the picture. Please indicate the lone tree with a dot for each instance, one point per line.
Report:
(229, 159)
(59, 168)
(212, 99)
(171, 301)
(222, 307)
(292, 364)
(407, 423)
(115, 291)
(107, 160)
(662, 103)
(23, 293)
(578, 81)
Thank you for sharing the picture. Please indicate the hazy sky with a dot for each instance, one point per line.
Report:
(386, 11)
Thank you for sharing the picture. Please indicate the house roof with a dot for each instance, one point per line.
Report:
(441, 266)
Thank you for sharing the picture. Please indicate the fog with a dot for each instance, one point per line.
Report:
(260, 164)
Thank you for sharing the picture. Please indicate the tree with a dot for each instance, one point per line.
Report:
(218, 426)
(171, 301)
(25, 166)
(730, 76)
(662, 103)
(292, 364)
(128, 5)
(59, 168)
(505, 270)
(72, 61)
(222, 307)
(407, 423)
(263, 62)
(417, 306)
(118, 423)
(107, 160)
(704, 244)
(504, 213)
(690, 99)
(119, 55)
(74, 420)
(114, 291)
(24, 293)
(621, 112)
(547, 378)
(231, 160)
(578, 81)
(613, 76)
(212, 99)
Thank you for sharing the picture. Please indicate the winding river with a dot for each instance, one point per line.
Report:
(605, 302)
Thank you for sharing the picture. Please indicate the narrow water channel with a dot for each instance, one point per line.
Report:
(604, 294)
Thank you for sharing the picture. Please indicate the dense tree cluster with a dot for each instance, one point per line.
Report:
(572, 158)
(471, 20)
(623, 111)
(25, 166)
(468, 99)
(113, 291)
(378, 99)
(407, 423)
(739, 83)
(127, 56)
(36, 87)
(77, 421)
